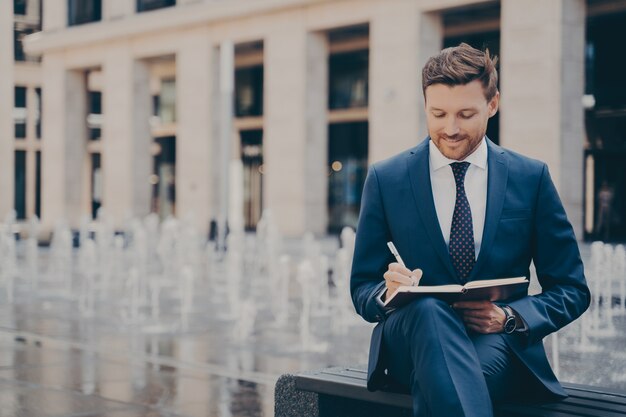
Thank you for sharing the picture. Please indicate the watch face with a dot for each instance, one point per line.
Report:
(509, 325)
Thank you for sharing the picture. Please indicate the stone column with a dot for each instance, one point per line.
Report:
(33, 11)
(316, 151)
(295, 140)
(195, 103)
(118, 9)
(126, 136)
(186, 2)
(430, 44)
(394, 79)
(542, 86)
(31, 157)
(64, 141)
(7, 154)
(54, 15)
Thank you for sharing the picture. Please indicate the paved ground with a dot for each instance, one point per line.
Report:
(56, 362)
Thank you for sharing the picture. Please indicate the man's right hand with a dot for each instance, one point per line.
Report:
(398, 276)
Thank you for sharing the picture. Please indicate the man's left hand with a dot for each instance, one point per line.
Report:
(481, 316)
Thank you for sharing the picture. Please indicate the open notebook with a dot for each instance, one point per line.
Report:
(487, 289)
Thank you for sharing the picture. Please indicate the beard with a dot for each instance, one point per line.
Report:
(459, 146)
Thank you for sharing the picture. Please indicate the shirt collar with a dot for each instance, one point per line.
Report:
(438, 160)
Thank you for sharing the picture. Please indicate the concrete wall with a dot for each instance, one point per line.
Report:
(542, 86)
(285, 122)
(64, 144)
(7, 158)
(126, 157)
(196, 104)
(55, 16)
(117, 9)
(394, 79)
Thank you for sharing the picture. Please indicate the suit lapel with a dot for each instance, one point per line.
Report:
(496, 189)
(419, 173)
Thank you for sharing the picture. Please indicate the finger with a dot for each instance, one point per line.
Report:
(472, 305)
(477, 329)
(473, 327)
(388, 276)
(479, 314)
(399, 278)
(391, 289)
(474, 321)
(389, 282)
(396, 267)
(485, 325)
(417, 273)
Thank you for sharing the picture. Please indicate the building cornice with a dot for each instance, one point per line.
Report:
(139, 24)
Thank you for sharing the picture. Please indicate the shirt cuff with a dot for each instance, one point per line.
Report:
(381, 302)
(521, 327)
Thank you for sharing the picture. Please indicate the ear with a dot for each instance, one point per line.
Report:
(494, 104)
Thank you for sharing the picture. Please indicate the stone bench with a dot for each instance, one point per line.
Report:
(342, 392)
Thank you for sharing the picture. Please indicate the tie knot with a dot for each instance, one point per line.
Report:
(459, 169)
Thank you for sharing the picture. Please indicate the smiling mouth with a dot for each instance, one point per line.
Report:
(453, 140)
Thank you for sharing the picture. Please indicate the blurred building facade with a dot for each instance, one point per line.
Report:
(20, 109)
(128, 94)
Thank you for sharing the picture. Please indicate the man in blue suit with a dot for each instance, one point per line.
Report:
(460, 208)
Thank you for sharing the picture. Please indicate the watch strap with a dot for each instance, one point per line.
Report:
(509, 317)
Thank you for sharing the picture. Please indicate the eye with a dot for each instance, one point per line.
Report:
(438, 115)
(467, 115)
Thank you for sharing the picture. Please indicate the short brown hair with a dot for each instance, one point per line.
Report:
(460, 65)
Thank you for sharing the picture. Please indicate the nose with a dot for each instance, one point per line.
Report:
(451, 128)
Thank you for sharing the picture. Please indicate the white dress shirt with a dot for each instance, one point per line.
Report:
(444, 189)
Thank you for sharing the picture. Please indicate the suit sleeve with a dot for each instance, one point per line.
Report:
(371, 255)
(565, 294)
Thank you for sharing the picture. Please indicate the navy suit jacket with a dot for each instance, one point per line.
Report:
(524, 221)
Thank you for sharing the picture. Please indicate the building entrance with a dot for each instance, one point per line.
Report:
(252, 158)
(347, 165)
(164, 177)
(605, 124)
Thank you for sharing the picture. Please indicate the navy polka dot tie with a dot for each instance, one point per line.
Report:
(461, 247)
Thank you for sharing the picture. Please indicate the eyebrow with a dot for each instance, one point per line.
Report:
(466, 109)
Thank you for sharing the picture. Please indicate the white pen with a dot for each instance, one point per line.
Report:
(395, 253)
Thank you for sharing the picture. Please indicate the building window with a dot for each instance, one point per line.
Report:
(347, 169)
(96, 184)
(606, 114)
(20, 113)
(147, 5)
(252, 159)
(20, 184)
(94, 118)
(249, 91)
(605, 124)
(84, 11)
(38, 184)
(163, 179)
(38, 113)
(19, 7)
(348, 80)
(156, 105)
(167, 102)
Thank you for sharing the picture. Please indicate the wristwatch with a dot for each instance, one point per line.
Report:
(510, 322)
